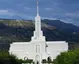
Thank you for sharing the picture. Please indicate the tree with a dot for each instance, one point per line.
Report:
(6, 58)
(69, 57)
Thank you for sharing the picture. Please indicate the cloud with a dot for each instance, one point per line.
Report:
(48, 9)
(6, 12)
(27, 8)
(72, 14)
(3, 11)
(66, 10)
(49, 18)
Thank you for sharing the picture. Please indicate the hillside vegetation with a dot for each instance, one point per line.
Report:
(22, 31)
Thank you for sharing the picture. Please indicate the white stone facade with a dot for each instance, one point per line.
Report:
(28, 49)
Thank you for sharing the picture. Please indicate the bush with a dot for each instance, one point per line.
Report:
(6, 58)
(70, 57)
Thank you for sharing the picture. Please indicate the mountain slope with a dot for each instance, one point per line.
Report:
(61, 25)
(19, 30)
(22, 31)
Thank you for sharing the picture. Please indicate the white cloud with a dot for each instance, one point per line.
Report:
(27, 8)
(72, 14)
(49, 18)
(12, 13)
(8, 12)
(48, 9)
(3, 11)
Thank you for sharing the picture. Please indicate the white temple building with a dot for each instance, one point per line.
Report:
(38, 48)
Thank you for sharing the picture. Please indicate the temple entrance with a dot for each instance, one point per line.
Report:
(37, 59)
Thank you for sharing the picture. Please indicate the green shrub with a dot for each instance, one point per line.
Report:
(70, 57)
(6, 58)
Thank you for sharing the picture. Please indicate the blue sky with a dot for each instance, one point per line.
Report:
(65, 10)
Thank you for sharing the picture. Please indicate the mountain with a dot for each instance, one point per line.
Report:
(22, 31)
(67, 27)
(70, 32)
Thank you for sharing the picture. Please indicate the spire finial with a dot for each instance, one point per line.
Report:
(37, 9)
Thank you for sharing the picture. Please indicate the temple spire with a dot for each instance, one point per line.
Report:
(37, 8)
(38, 34)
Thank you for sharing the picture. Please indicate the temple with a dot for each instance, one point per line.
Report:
(38, 48)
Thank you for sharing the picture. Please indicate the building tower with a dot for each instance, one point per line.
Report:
(38, 34)
(38, 39)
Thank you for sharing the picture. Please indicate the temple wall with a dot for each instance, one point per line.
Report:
(56, 47)
(27, 49)
(21, 50)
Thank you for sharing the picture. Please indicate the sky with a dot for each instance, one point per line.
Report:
(64, 10)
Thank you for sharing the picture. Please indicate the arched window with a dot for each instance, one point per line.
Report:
(37, 48)
(37, 59)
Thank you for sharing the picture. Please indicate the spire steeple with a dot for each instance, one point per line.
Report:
(37, 8)
(38, 34)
